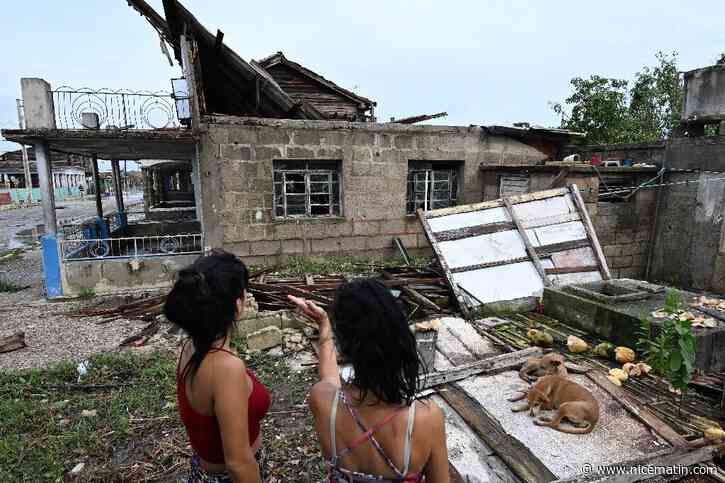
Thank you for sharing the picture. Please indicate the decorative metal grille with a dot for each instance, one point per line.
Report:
(121, 109)
(307, 190)
(131, 247)
(431, 189)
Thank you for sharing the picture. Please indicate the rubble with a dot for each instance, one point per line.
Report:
(264, 339)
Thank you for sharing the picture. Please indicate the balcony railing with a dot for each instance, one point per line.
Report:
(130, 247)
(122, 109)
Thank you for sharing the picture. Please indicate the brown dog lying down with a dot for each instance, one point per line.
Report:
(547, 365)
(574, 402)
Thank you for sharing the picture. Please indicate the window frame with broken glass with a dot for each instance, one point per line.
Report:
(316, 185)
(432, 185)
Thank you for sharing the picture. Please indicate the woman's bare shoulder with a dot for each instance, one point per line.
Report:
(321, 395)
(428, 412)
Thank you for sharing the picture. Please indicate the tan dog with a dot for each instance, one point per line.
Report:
(547, 365)
(574, 402)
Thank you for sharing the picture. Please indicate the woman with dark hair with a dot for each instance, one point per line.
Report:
(367, 426)
(220, 401)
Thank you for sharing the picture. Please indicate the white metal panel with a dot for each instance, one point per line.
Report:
(559, 205)
(492, 247)
(504, 282)
(563, 232)
(472, 218)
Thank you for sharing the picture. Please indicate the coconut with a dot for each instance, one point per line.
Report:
(540, 338)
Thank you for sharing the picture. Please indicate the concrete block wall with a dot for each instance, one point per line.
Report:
(236, 161)
(624, 230)
(689, 248)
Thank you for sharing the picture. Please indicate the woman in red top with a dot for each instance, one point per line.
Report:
(220, 401)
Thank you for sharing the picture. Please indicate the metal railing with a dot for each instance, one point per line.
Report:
(121, 109)
(130, 247)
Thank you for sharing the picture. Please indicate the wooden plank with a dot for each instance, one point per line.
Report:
(498, 263)
(454, 475)
(517, 456)
(444, 266)
(591, 233)
(538, 195)
(477, 230)
(527, 243)
(491, 365)
(638, 411)
(668, 458)
(562, 270)
(560, 179)
(550, 220)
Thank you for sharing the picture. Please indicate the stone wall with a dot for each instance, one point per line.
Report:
(236, 159)
(689, 248)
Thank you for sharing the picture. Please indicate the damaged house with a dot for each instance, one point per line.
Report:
(265, 159)
(268, 159)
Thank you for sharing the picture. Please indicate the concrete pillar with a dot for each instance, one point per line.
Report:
(118, 190)
(147, 191)
(37, 104)
(45, 178)
(49, 241)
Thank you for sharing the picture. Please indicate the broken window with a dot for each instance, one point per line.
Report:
(306, 188)
(431, 185)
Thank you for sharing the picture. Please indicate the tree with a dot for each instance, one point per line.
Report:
(656, 100)
(609, 112)
(598, 108)
(721, 60)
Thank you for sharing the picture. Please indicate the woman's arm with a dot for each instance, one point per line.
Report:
(436, 470)
(231, 407)
(329, 371)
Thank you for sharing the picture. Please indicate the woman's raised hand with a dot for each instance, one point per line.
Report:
(310, 309)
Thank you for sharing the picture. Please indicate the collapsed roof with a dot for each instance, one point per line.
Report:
(273, 87)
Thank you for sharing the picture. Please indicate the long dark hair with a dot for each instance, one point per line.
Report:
(372, 333)
(203, 300)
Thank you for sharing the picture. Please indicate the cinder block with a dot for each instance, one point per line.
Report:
(291, 247)
(621, 262)
(404, 141)
(409, 241)
(264, 339)
(238, 134)
(286, 231)
(624, 236)
(306, 136)
(266, 247)
(353, 243)
(423, 241)
(259, 321)
(366, 228)
(240, 249)
(236, 151)
(325, 245)
(333, 138)
(379, 242)
(612, 250)
(362, 139)
(298, 152)
(394, 227)
(263, 153)
(271, 135)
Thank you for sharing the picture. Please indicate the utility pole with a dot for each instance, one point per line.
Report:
(23, 149)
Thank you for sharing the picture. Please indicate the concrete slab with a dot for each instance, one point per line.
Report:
(617, 437)
(474, 459)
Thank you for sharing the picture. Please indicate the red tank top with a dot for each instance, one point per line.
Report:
(203, 431)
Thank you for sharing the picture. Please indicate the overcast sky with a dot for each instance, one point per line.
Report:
(483, 62)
